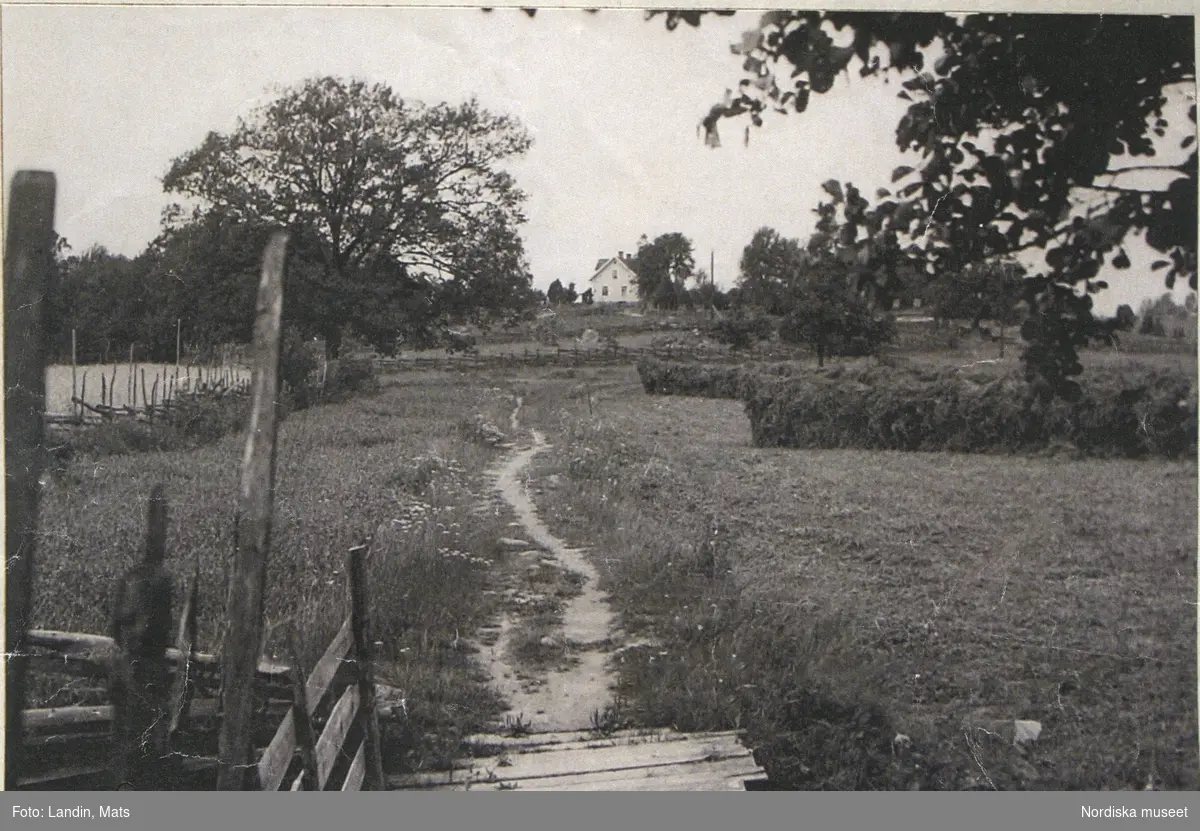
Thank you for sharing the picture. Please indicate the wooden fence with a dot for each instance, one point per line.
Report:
(164, 397)
(567, 357)
(338, 696)
(174, 717)
(326, 735)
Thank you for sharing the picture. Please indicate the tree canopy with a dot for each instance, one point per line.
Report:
(1034, 132)
(835, 285)
(663, 268)
(377, 190)
(769, 265)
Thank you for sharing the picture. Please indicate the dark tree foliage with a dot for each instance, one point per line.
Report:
(373, 188)
(556, 295)
(1034, 131)
(981, 291)
(837, 282)
(663, 269)
(100, 295)
(769, 265)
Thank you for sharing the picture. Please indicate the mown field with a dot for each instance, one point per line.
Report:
(403, 468)
(881, 619)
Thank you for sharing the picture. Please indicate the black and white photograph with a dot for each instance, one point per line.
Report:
(610, 399)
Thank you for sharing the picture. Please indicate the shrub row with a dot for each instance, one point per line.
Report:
(705, 380)
(1152, 413)
(1126, 413)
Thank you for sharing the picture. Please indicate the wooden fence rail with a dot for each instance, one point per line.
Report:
(574, 356)
(339, 694)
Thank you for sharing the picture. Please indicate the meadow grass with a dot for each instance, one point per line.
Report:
(880, 619)
(402, 469)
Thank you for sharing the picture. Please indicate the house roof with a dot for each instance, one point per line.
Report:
(604, 263)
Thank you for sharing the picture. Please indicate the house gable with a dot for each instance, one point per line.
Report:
(614, 280)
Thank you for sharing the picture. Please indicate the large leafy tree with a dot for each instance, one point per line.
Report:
(1050, 132)
(770, 262)
(492, 282)
(837, 281)
(663, 268)
(372, 186)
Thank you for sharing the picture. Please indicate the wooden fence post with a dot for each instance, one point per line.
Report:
(361, 627)
(141, 632)
(306, 740)
(243, 639)
(78, 409)
(185, 642)
(28, 270)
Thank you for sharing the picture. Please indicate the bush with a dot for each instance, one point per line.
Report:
(670, 378)
(913, 409)
(350, 376)
(298, 363)
(206, 419)
(194, 422)
(740, 332)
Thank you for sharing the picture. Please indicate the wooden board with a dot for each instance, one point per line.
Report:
(358, 770)
(660, 760)
(728, 775)
(322, 675)
(273, 765)
(329, 746)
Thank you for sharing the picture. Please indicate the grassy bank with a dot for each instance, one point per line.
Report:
(403, 468)
(880, 619)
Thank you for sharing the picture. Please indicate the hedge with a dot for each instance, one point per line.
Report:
(703, 380)
(1121, 413)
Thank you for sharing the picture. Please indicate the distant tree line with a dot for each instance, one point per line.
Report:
(401, 222)
(837, 291)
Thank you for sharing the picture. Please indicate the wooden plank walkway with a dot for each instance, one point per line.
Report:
(628, 760)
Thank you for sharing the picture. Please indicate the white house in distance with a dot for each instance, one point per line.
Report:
(613, 280)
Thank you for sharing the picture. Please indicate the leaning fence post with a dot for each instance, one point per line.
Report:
(28, 270)
(184, 686)
(76, 407)
(360, 624)
(141, 632)
(243, 638)
(306, 742)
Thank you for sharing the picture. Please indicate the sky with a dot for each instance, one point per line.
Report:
(106, 97)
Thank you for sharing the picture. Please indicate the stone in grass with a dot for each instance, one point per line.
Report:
(1026, 732)
(511, 544)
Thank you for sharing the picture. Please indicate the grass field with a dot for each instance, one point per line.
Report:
(831, 600)
(874, 620)
(403, 467)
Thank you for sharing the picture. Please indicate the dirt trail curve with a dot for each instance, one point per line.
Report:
(565, 697)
